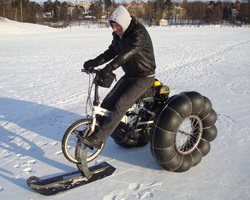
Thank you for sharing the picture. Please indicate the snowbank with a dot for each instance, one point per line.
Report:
(12, 27)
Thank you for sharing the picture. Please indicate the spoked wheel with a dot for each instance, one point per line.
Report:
(188, 135)
(183, 131)
(72, 145)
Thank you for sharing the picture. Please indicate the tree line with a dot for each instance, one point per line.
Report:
(151, 12)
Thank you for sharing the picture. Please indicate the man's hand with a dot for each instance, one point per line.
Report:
(89, 65)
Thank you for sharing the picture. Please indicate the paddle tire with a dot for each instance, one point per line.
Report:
(183, 131)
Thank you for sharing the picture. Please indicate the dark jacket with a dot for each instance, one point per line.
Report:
(134, 52)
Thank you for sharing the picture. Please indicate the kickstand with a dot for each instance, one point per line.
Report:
(84, 163)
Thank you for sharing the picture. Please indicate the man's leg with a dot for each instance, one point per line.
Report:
(110, 100)
(137, 87)
(112, 97)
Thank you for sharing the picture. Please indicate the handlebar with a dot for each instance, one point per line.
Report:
(93, 71)
(99, 80)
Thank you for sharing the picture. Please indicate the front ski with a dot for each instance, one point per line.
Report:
(68, 181)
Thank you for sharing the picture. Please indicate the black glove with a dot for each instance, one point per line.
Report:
(106, 71)
(89, 65)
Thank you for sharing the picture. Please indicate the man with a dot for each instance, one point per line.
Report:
(132, 49)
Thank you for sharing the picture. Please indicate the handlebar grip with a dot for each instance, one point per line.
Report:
(93, 71)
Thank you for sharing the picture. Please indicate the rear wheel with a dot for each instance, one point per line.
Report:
(71, 142)
(183, 131)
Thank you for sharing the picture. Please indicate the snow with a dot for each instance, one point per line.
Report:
(43, 91)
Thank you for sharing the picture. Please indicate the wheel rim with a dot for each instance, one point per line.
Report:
(189, 135)
(73, 145)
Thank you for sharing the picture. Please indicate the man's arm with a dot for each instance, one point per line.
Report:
(137, 42)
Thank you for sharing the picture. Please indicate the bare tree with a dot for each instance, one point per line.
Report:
(108, 4)
(3, 8)
(21, 10)
(96, 9)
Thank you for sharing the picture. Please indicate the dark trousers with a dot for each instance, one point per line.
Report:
(123, 95)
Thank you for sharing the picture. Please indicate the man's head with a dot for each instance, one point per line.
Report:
(116, 28)
(120, 20)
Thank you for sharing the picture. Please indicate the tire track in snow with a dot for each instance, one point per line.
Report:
(207, 59)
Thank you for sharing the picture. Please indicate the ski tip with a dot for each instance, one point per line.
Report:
(33, 180)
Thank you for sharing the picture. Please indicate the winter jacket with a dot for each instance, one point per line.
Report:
(133, 51)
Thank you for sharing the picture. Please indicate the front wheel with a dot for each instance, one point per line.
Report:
(71, 142)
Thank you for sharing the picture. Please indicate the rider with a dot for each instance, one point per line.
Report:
(132, 49)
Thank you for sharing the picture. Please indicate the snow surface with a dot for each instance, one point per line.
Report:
(43, 92)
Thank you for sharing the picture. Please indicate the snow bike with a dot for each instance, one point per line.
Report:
(179, 128)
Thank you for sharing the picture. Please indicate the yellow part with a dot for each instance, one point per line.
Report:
(165, 90)
(156, 83)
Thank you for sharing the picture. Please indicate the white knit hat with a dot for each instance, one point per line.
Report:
(122, 17)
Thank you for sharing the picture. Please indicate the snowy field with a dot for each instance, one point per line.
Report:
(43, 91)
